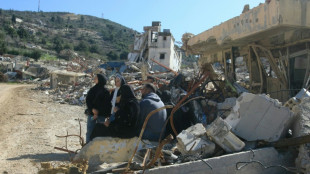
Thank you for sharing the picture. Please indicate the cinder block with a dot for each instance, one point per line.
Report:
(219, 131)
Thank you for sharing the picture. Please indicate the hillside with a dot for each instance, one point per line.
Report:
(60, 34)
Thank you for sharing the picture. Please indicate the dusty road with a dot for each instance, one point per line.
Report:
(29, 121)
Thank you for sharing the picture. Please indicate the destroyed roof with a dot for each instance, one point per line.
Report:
(112, 65)
(267, 23)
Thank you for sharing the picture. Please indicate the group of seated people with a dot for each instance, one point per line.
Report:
(119, 113)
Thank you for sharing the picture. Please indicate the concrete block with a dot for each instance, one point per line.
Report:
(193, 140)
(258, 117)
(108, 149)
(197, 130)
(226, 164)
(219, 131)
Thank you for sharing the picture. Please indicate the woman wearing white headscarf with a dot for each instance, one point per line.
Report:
(119, 82)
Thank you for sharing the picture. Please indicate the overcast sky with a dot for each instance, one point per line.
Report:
(179, 16)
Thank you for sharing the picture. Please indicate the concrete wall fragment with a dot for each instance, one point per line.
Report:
(258, 117)
(227, 164)
(107, 149)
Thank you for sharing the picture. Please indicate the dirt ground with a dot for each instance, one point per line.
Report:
(29, 121)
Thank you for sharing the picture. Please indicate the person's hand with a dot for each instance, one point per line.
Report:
(115, 109)
(107, 122)
(95, 117)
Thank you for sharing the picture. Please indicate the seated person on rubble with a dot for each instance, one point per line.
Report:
(98, 104)
(183, 118)
(115, 95)
(124, 125)
(151, 101)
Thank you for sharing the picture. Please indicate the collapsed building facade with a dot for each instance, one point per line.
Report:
(272, 39)
(156, 46)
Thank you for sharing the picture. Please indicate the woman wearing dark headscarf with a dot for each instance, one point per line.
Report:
(98, 104)
(124, 125)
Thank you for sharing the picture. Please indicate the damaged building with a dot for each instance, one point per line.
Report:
(272, 40)
(156, 47)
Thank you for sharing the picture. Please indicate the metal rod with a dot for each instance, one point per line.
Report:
(206, 74)
(142, 131)
(65, 150)
(175, 73)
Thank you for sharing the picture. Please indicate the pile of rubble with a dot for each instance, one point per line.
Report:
(251, 138)
(227, 130)
(233, 132)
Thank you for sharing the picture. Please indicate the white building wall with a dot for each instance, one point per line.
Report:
(161, 47)
(175, 60)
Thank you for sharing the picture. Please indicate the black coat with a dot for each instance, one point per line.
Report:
(125, 123)
(98, 97)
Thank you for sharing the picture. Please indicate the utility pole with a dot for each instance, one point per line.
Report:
(39, 6)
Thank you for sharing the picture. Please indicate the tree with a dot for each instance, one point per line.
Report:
(123, 55)
(11, 31)
(82, 46)
(13, 19)
(3, 48)
(43, 41)
(94, 49)
(68, 21)
(22, 32)
(112, 55)
(59, 20)
(53, 19)
(58, 44)
(68, 46)
(36, 54)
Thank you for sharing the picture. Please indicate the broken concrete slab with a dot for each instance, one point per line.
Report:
(219, 131)
(259, 117)
(108, 149)
(301, 127)
(227, 164)
(225, 107)
(193, 141)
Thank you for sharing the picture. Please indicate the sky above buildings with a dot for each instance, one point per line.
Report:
(179, 16)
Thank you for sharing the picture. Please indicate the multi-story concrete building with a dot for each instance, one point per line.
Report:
(156, 45)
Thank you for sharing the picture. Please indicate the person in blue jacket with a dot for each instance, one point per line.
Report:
(151, 101)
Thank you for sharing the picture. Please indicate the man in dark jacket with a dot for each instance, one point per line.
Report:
(150, 102)
(98, 104)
